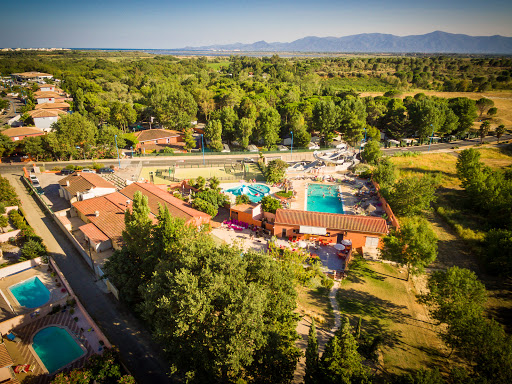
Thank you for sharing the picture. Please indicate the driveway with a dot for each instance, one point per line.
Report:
(138, 352)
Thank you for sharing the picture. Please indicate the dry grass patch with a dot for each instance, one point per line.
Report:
(386, 302)
(314, 303)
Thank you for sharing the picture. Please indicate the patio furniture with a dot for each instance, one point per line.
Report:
(13, 337)
(23, 368)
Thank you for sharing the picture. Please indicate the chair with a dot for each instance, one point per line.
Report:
(23, 368)
(13, 337)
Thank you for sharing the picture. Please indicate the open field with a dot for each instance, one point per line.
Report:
(380, 295)
(502, 101)
(217, 66)
(459, 246)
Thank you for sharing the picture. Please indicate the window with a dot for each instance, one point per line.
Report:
(168, 141)
(295, 231)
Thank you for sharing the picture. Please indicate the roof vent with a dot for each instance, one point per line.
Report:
(127, 202)
(97, 213)
(67, 183)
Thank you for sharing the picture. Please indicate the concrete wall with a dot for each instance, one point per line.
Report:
(95, 192)
(18, 267)
(386, 207)
(8, 235)
(45, 122)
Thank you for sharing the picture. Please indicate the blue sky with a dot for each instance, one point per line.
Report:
(175, 24)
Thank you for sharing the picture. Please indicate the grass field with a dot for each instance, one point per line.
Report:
(217, 66)
(458, 241)
(314, 303)
(385, 301)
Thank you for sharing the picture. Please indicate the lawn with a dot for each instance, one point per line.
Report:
(217, 66)
(314, 303)
(385, 301)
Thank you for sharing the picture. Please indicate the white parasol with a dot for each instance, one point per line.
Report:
(302, 244)
(346, 242)
(339, 247)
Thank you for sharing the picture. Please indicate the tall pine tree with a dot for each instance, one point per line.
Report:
(311, 374)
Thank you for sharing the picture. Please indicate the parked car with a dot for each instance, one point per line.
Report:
(313, 146)
(249, 160)
(66, 171)
(87, 170)
(105, 170)
(283, 148)
(34, 181)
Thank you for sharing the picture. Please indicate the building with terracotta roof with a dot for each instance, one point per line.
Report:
(106, 213)
(83, 186)
(56, 105)
(47, 97)
(158, 139)
(363, 231)
(31, 76)
(44, 118)
(49, 87)
(19, 133)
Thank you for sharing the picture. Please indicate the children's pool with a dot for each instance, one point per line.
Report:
(56, 348)
(31, 293)
(254, 191)
(324, 198)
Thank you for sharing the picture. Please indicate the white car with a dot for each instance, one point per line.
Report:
(87, 170)
(313, 146)
(283, 148)
(34, 181)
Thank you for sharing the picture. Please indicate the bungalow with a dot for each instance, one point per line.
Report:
(44, 118)
(363, 231)
(47, 97)
(106, 213)
(31, 76)
(49, 87)
(83, 186)
(158, 139)
(19, 133)
(252, 214)
(57, 105)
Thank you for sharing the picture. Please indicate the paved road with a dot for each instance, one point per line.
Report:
(139, 353)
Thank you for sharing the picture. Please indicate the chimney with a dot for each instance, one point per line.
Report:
(67, 183)
(127, 202)
(97, 213)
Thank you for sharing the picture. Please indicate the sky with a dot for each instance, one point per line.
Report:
(167, 24)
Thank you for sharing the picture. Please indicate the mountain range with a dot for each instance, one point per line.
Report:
(434, 42)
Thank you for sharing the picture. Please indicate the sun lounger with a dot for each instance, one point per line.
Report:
(23, 368)
(13, 337)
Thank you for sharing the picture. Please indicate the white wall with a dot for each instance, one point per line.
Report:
(95, 192)
(45, 122)
(46, 100)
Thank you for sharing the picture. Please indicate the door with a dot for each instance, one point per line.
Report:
(339, 238)
(283, 233)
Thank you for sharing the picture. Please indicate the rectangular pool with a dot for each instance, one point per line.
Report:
(324, 198)
(31, 293)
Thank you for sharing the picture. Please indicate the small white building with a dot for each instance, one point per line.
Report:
(47, 97)
(44, 118)
(84, 186)
(47, 88)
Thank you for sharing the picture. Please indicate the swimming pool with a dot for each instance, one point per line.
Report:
(56, 348)
(31, 293)
(323, 198)
(254, 191)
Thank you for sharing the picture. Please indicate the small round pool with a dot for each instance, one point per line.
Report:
(56, 348)
(254, 191)
(31, 293)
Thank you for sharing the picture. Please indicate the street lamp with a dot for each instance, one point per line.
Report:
(291, 153)
(131, 150)
(117, 149)
(202, 146)
(431, 137)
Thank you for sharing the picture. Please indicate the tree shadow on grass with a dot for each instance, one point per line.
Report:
(375, 310)
(359, 272)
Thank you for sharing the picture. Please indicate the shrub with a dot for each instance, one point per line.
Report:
(284, 194)
(269, 204)
(242, 199)
(204, 206)
(32, 249)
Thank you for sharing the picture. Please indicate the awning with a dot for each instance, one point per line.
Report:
(312, 230)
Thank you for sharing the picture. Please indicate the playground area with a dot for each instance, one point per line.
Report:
(228, 172)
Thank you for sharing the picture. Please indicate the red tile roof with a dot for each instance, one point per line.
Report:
(22, 131)
(365, 224)
(65, 106)
(5, 358)
(93, 233)
(46, 95)
(157, 196)
(155, 134)
(45, 113)
(82, 182)
(247, 208)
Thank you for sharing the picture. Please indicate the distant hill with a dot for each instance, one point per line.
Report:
(434, 42)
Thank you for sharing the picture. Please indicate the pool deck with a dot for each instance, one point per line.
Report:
(23, 353)
(13, 308)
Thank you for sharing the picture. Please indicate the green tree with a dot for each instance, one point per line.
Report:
(205, 206)
(242, 199)
(76, 376)
(8, 194)
(468, 163)
(500, 130)
(213, 196)
(311, 374)
(33, 248)
(498, 251)
(465, 110)
(483, 104)
(6, 145)
(352, 119)
(425, 116)
(214, 183)
(4, 222)
(34, 147)
(269, 124)
(492, 111)
(190, 142)
(269, 204)
(72, 131)
(173, 106)
(245, 129)
(275, 171)
(229, 120)
(385, 173)
(484, 130)
(122, 115)
(457, 299)
(213, 133)
(325, 119)
(297, 125)
(411, 195)
(414, 245)
(106, 137)
(341, 362)
(372, 152)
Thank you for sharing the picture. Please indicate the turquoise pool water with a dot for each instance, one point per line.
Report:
(30, 293)
(254, 191)
(324, 198)
(56, 348)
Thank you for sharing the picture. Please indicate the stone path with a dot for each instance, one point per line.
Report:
(139, 353)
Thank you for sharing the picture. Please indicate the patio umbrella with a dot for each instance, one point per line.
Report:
(302, 244)
(339, 247)
(346, 242)
(371, 208)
